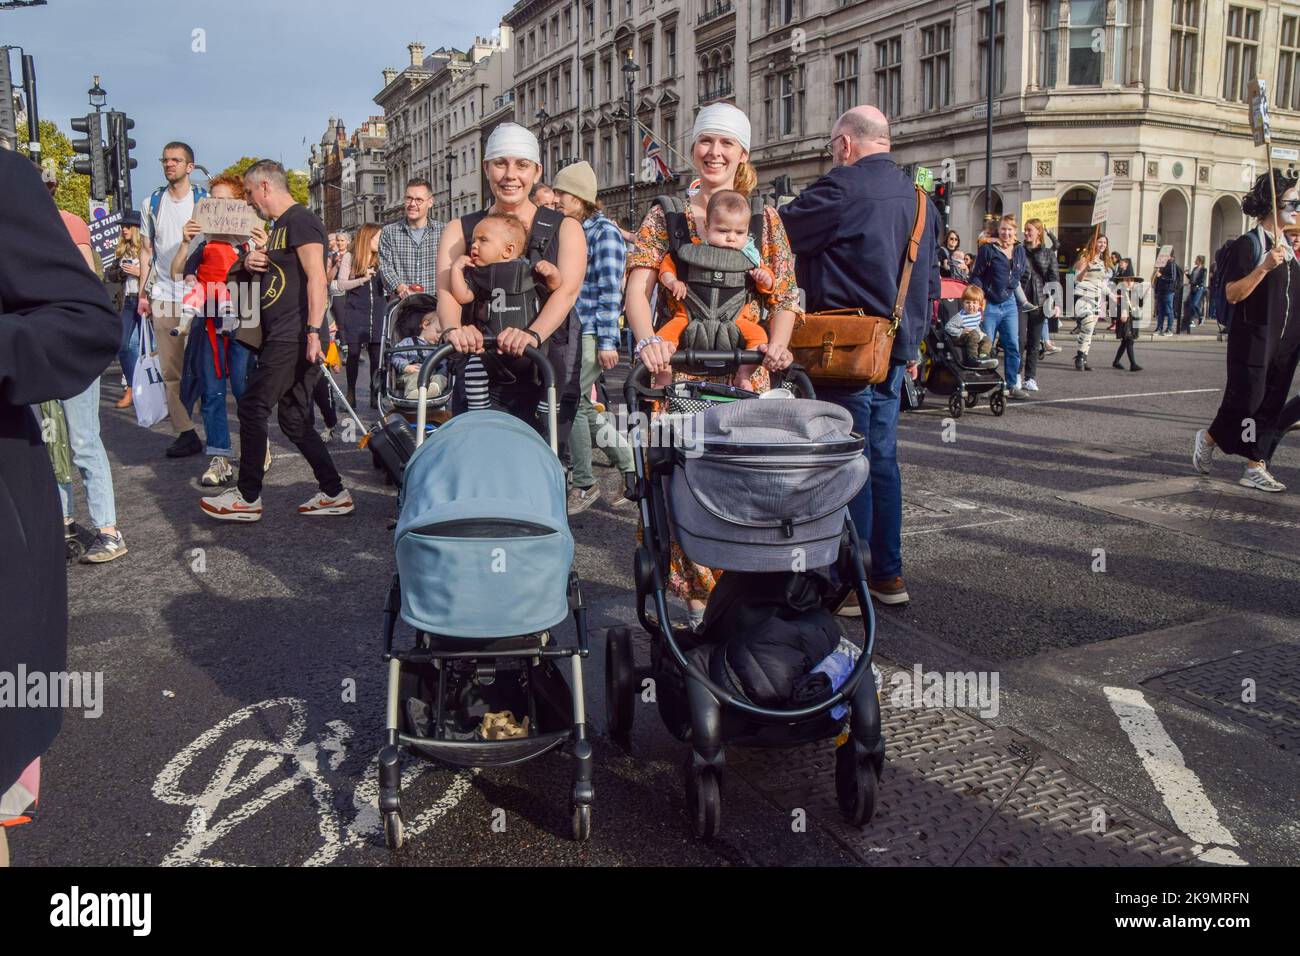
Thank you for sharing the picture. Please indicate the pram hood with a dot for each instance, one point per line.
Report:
(765, 485)
(483, 543)
(404, 315)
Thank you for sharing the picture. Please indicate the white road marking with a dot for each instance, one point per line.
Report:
(1107, 398)
(978, 524)
(1177, 784)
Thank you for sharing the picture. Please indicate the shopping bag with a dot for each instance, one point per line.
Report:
(148, 393)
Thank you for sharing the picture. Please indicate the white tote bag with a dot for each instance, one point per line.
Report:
(148, 393)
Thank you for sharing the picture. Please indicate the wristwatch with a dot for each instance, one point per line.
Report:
(313, 330)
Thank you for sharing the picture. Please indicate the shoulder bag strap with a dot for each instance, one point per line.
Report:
(913, 245)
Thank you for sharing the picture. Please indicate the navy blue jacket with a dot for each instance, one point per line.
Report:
(997, 275)
(849, 233)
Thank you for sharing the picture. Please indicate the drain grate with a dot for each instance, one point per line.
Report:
(1271, 675)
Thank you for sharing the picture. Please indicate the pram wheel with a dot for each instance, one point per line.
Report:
(703, 799)
(582, 822)
(972, 400)
(997, 403)
(955, 404)
(855, 785)
(394, 831)
(620, 685)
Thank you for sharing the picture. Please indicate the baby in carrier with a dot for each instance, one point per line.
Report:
(964, 330)
(713, 302)
(205, 281)
(495, 282)
(406, 361)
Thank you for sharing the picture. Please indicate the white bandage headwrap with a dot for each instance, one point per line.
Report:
(513, 142)
(725, 120)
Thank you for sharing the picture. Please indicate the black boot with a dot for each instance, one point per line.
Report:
(1117, 364)
(187, 443)
(352, 397)
(1135, 367)
(1081, 362)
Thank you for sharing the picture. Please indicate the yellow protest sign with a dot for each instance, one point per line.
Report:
(1044, 209)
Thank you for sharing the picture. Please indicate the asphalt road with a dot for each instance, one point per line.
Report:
(230, 735)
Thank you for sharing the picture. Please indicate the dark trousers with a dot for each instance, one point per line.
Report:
(1126, 345)
(283, 380)
(1289, 415)
(354, 365)
(1031, 336)
(1255, 392)
(323, 399)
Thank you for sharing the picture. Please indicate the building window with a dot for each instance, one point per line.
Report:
(889, 76)
(589, 81)
(542, 31)
(607, 157)
(627, 9)
(648, 61)
(568, 24)
(589, 152)
(589, 19)
(670, 138)
(778, 13)
(555, 30)
(783, 107)
(999, 48)
(670, 50)
(936, 66)
(1288, 65)
(1240, 53)
(846, 81)
(1119, 69)
(609, 13)
(568, 89)
(555, 92)
(1087, 28)
(607, 69)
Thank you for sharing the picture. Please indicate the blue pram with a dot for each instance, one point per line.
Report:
(484, 575)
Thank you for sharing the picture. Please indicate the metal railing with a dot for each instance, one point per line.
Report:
(712, 13)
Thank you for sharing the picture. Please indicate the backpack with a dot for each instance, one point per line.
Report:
(679, 237)
(719, 287)
(155, 203)
(1219, 306)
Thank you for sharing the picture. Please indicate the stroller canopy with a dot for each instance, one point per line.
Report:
(483, 543)
(404, 315)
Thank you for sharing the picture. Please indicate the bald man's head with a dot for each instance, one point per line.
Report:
(867, 130)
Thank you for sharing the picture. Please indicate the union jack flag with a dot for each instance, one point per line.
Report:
(654, 152)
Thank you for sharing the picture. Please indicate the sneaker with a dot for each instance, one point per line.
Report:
(231, 506)
(580, 499)
(322, 504)
(107, 547)
(1051, 349)
(1202, 452)
(1258, 478)
(1031, 385)
(266, 465)
(219, 473)
(326, 434)
(187, 443)
(1028, 306)
(889, 591)
(1019, 393)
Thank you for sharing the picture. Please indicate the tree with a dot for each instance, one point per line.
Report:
(73, 192)
(297, 180)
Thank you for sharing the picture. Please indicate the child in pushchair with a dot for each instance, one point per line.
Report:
(757, 490)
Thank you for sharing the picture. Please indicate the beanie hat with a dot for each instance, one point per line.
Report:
(577, 179)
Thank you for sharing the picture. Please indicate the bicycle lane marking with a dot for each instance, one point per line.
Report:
(1178, 786)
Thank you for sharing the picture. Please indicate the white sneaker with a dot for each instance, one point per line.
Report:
(266, 465)
(1030, 385)
(326, 434)
(219, 473)
(322, 504)
(1202, 452)
(1259, 479)
(231, 506)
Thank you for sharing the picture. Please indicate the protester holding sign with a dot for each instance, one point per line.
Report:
(126, 270)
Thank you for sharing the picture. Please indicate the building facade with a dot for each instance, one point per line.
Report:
(478, 92)
(365, 175)
(1152, 92)
(324, 175)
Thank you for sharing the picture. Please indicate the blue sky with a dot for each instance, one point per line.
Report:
(272, 74)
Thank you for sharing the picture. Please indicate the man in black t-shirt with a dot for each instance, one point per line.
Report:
(293, 303)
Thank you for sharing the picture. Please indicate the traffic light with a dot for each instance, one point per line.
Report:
(89, 154)
(120, 162)
(941, 199)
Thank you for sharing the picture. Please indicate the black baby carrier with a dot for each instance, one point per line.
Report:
(718, 281)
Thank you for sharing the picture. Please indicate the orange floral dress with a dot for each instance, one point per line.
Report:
(688, 580)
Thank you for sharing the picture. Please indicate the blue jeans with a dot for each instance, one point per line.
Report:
(1003, 318)
(1165, 312)
(1194, 304)
(216, 425)
(129, 350)
(82, 413)
(877, 511)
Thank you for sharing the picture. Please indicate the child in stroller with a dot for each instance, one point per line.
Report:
(406, 359)
(965, 330)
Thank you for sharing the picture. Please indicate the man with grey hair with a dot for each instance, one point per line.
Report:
(850, 231)
(294, 298)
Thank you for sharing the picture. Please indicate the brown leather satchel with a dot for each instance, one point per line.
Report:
(847, 347)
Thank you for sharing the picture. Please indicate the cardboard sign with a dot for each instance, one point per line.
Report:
(1163, 255)
(226, 217)
(1101, 205)
(104, 234)
(1044, 209)
(1259, 124)
(925, 178)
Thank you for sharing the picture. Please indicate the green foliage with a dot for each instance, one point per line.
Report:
(73, 193)
(297, 180)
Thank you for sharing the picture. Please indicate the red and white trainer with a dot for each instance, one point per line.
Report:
(322, 504)
(231, 506)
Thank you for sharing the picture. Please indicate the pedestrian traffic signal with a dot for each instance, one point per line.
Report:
(120, 162)
(89, 159)
(942, 192)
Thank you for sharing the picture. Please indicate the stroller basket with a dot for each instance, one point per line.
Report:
(765, 484)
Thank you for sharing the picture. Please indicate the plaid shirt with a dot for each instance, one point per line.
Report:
(403, 262)
(601, 297)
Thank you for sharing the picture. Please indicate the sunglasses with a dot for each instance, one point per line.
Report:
(1292, 204)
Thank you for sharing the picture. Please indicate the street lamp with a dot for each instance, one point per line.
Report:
(449, 157)
(542, 118)
(98, 95)
(630, 70)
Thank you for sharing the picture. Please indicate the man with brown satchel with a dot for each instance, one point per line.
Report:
(865, 241)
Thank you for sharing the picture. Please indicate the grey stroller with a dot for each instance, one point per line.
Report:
(757, 489)
(484, 575)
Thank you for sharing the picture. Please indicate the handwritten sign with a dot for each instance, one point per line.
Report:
(1163, 255)
(1259, 123)
(1044, 209)
(1101, 205)
(104, 234)
(225, 217)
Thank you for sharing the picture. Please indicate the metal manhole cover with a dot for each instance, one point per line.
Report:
(1259, 688)
(925, 512)
(1217, 510)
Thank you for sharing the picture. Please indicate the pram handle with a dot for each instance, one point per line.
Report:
(534, 355)
(710, 362)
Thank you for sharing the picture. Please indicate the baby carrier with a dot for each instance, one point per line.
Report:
(718, 280)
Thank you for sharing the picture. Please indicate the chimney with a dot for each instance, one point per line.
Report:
(506, 34)
(390, 74)
(417, 53)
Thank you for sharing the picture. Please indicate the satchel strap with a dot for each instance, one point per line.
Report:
(913, 246)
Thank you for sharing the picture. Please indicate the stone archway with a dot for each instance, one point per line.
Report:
(1226, 222)
(1074, 227)
(1171, 224)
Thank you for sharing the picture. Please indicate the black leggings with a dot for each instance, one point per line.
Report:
(354, 363)
(1126, 345)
